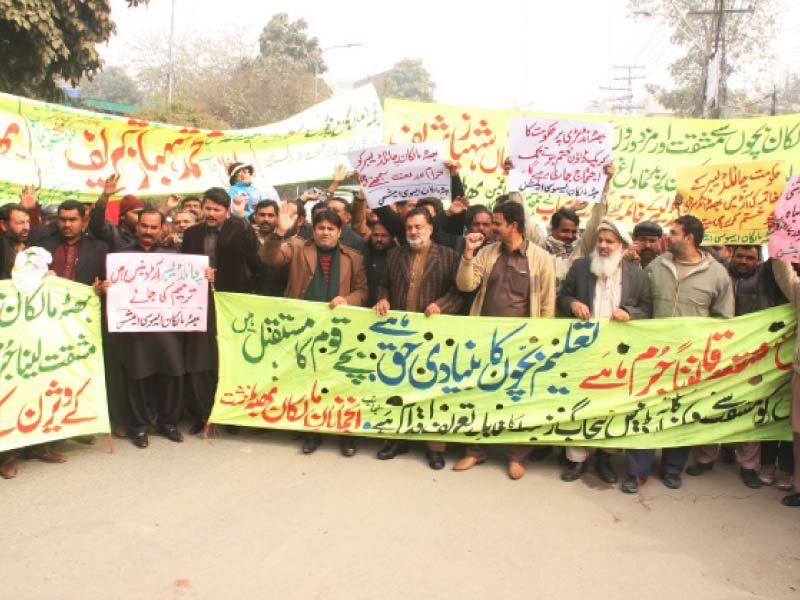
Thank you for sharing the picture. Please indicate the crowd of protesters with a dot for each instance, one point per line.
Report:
(416, 256)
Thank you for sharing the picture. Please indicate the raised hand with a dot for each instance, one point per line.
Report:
(111, 185)
(286, 220)
(27, 197)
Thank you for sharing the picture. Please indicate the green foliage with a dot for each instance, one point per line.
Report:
(44, 41)
(410, 80)
(183, 113)
(112, 84)
(286, 42)
(223, 76)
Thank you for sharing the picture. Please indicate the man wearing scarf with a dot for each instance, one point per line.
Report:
(320, 270)
(603, 286)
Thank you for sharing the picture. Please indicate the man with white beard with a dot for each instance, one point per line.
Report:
(603, 286)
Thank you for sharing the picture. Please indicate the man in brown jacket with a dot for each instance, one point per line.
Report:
(419, 277)
(320, 270)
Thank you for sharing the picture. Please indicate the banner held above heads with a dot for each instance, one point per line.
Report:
(734, 201)
(399, 172)
(647, 151)
(289, 364)
(784, 239)
(68, 153)
(52, 381)
(156, 292)
(559, 156)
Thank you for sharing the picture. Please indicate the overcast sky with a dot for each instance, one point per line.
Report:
(548, 56)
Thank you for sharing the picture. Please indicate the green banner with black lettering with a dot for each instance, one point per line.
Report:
(295, 365)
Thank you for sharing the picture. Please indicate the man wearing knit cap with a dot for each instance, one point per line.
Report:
(646, 242)
(118, 236)
(244, 195)
(603, 286)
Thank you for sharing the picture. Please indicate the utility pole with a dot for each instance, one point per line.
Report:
(171, 71)
(624, 103)
(716, 72)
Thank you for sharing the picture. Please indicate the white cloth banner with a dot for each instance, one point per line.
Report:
(156, 292)
(390, 174)
(559, 156)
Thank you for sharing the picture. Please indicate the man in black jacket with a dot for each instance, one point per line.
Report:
(76, 256)
(232, 250)
(603, 285)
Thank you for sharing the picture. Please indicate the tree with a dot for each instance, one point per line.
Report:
(181, 112)
(410, 80)
(743, 36)
(283, 41)
(226, 79)
(42, 42)
(112, 84)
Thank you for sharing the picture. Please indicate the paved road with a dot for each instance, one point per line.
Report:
(249, 516)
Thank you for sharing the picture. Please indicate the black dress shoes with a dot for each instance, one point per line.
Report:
(602, 465)
(672, 480)
(435, 460)
(197, 427)
(392, 448)
(311, 441)
(171, 433)
(573, 471)
(348, 446)
(699, 468)
(140, 440)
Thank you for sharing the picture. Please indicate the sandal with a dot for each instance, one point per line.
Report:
(44, 454)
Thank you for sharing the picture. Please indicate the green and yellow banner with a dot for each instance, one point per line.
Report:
(52, 377)
(647, 151)
(68, 153)
(296, 365)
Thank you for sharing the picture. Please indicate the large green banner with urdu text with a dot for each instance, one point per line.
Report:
(298, 365)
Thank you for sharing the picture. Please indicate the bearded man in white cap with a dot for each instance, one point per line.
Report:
(603, 286)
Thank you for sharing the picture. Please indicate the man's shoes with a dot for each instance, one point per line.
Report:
(631, 484)
(573, 471)
(671, 480)
(515, 469)
(468, 462)
(699, 468)
(791, 500)
(603, 468)
(197, 427)
(140, 440)
(311, 441)
(120, 431)
(392, 448)
(435, 460)
(785, 481)
(728, 455)
(9, 468)
(348, 446)
(540, 453)
(750, 478)
(43, 453)
(171, 433)
(767, 474)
